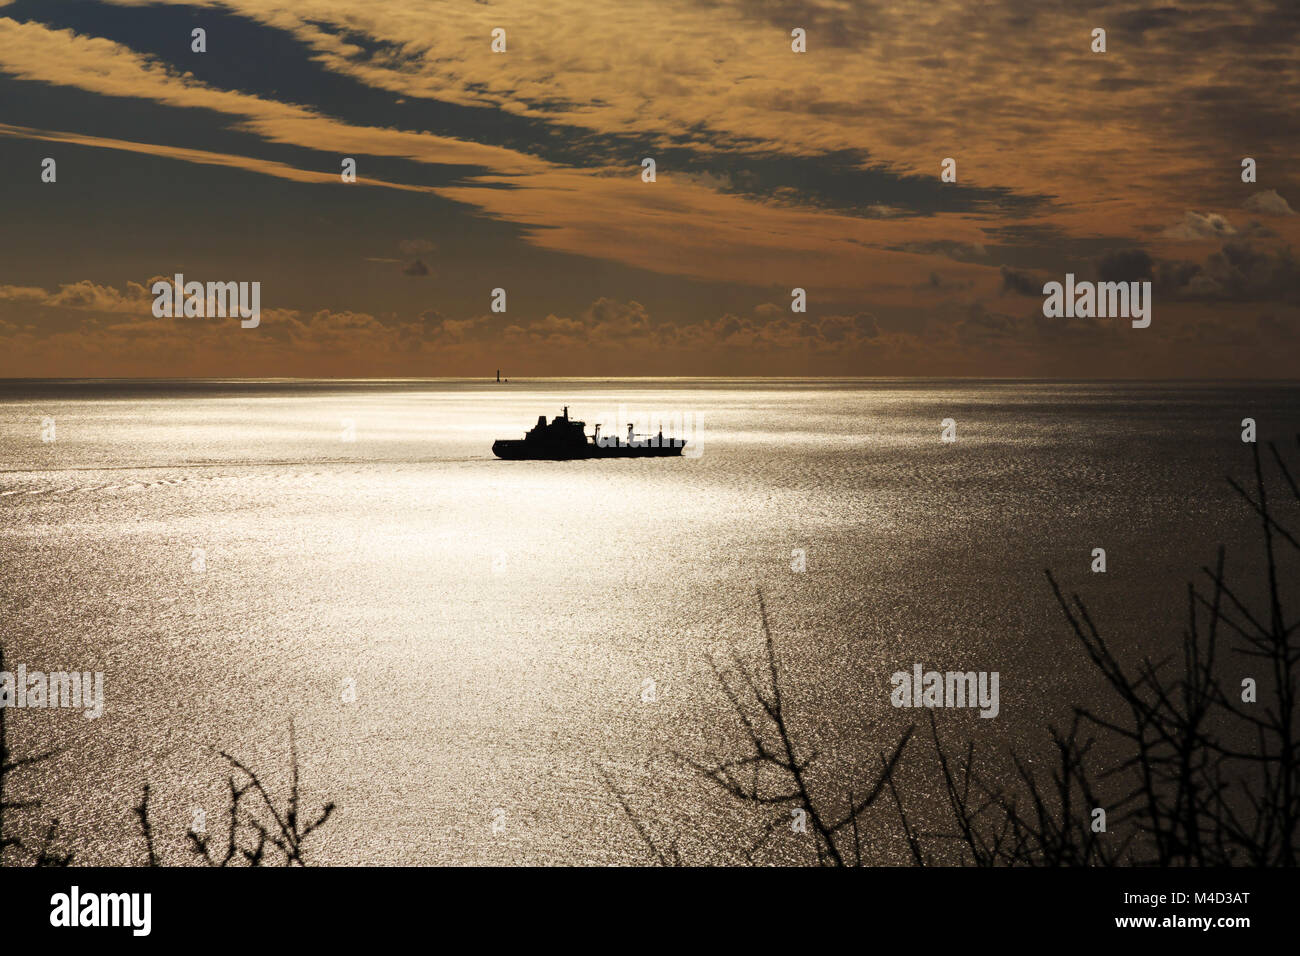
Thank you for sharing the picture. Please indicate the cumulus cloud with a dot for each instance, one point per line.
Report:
(85, 296)
(1248, 272)
(967, 339)
(1240, 270)
(1195, 225)
(1269, 202)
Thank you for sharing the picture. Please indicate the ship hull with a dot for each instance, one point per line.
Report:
(520, 450)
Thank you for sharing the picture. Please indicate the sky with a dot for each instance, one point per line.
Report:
(774, 170)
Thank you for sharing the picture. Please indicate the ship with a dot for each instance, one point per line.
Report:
(565, 439)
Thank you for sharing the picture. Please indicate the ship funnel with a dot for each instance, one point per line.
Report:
(629, 433)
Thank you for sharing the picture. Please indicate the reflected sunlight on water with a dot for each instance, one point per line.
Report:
(498, 619)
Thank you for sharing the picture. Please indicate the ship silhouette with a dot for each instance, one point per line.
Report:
(566, 439)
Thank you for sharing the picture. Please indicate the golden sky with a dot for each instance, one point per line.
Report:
(775, 170)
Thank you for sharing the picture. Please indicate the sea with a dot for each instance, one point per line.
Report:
(481, 661)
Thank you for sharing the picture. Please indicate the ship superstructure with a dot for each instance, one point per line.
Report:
(564, 439)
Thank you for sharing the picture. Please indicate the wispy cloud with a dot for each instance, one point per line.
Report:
(775, 169)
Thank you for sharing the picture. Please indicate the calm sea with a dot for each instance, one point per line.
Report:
(518, 636)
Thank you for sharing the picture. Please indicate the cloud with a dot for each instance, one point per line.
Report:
(197, 156)
(979, 326)
(959, 250)
(85, 296)
(1240, 270)
(1270, 203)
(436, 329)
(680, 226)
(416, 247)
(1247, 272)
(764, 175)
(1125, 265)
(1194, 225)
(1021, 282)
(618, 336)
(943, 284)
